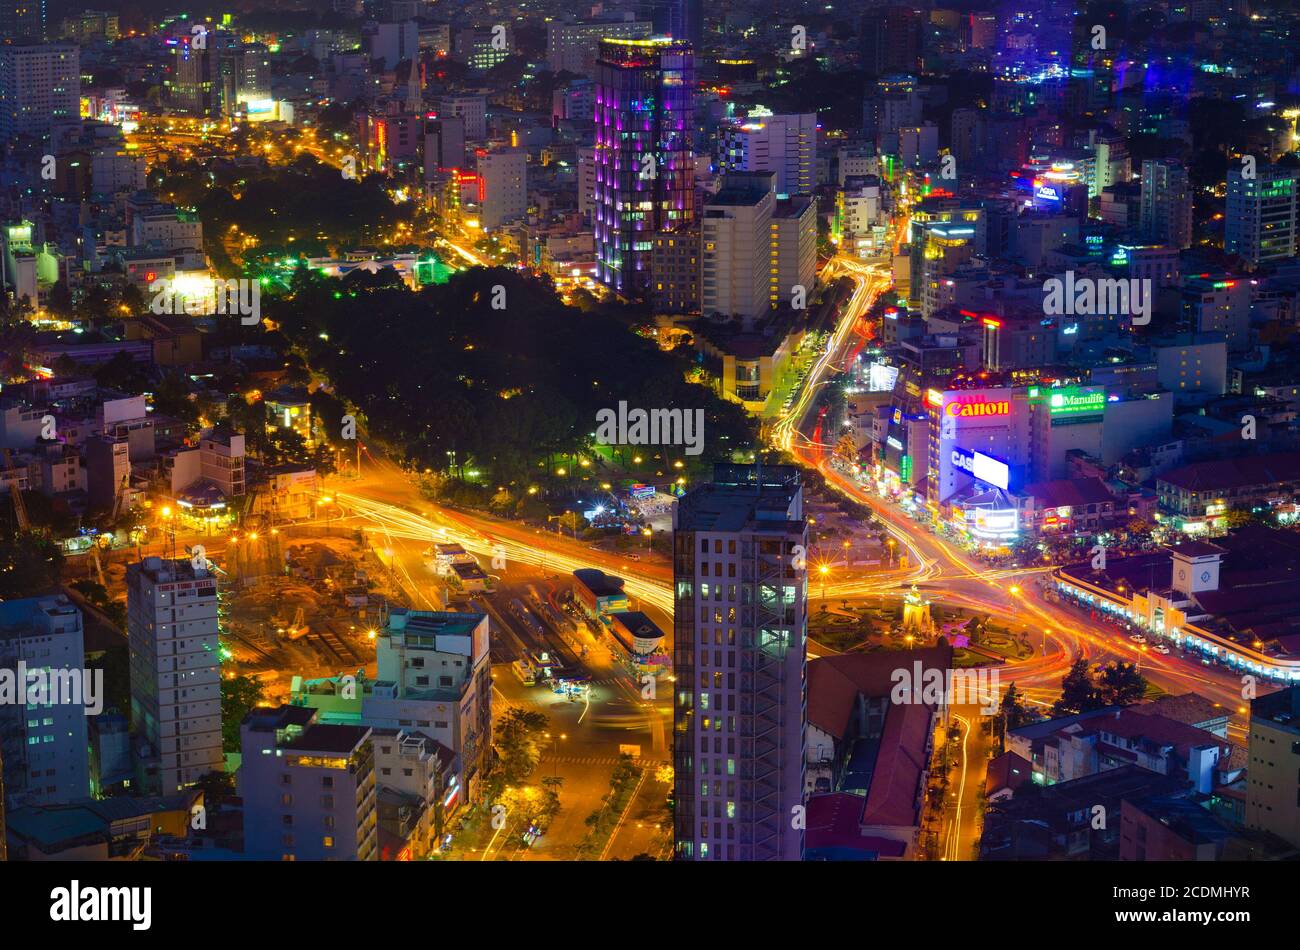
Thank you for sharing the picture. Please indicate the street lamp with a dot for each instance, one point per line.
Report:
(823, 570)
(555, 744)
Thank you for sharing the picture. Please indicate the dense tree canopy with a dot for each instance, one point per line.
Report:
(451, 381)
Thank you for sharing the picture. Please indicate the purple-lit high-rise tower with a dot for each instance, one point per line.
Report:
(644, 164)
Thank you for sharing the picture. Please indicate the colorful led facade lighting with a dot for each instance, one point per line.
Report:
(644, 162)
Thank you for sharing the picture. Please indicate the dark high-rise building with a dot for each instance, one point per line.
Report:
(740, 625)
(644, 165)
(891, 40)
(22, 21)
(680, 19)
(200, 75)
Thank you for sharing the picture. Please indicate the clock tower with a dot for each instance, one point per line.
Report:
(1196, 567)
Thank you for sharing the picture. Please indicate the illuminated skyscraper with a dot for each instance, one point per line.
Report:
(741, 630)
(1261, 214)
(644, 165)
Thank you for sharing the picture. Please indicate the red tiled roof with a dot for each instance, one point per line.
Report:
(900, 765)
(1008, 770)
(1156, 728)
(1187, 708)
(1071, 492)
(834, 682)
(835, 821)
(1235, 472)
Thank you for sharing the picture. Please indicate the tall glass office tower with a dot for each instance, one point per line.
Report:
(644, 163)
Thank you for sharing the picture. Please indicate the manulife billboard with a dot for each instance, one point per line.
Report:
(1075, 401)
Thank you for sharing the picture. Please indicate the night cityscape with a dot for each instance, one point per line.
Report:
(651, 431)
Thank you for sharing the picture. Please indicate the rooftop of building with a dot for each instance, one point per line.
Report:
(1257, 600)
(329, 737)
(598, 582)
(741, 497)
(792, 206)
(433, 622)
(1100, 788)
(274, 718)
(56, 827)
(168, 570)
(835, 829)
(1008, 771)
(1187, 708)
(638, 624)
(743, 189)
(1183, 816)
(1280, 709)
(835, 682)
(1068, 493)
(885, 769)
(1223, 475)
(17, 615)
(1155, 731)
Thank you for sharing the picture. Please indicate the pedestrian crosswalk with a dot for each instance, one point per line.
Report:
(599, 760)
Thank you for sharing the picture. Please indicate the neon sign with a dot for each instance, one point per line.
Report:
(967, 407)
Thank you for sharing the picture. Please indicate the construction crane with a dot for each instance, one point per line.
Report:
(20, 508)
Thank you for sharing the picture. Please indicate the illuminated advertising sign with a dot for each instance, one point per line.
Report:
(965, 407)
(984, 468)
(881, 378)
(1076, 401)
(994, 525)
